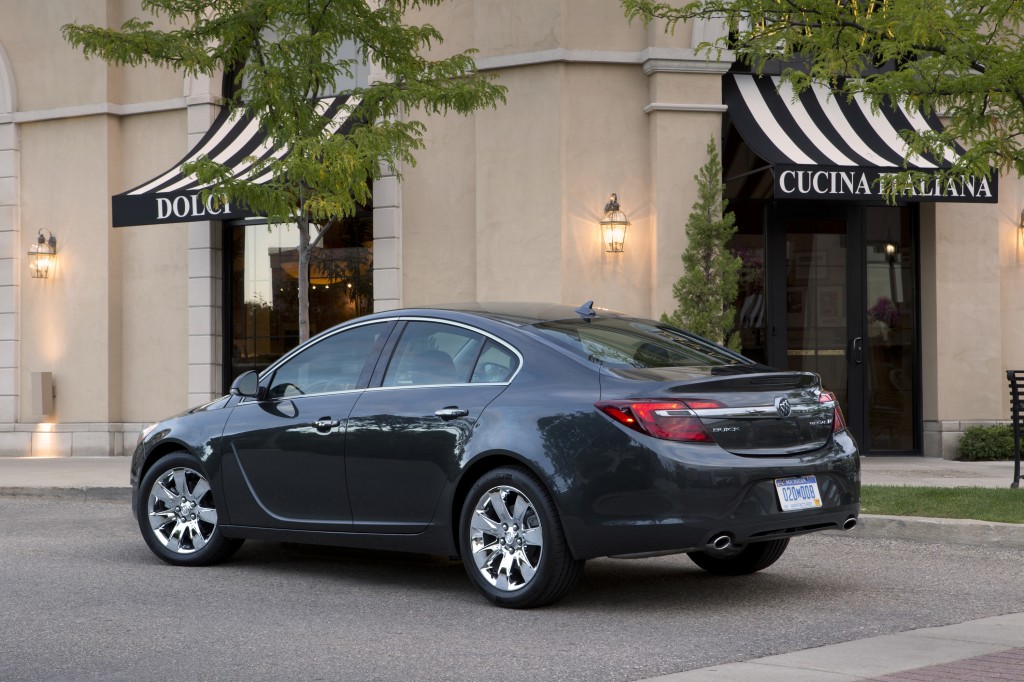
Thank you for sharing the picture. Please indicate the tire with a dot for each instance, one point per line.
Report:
(178, 515)
(512, 543)
(750, 559)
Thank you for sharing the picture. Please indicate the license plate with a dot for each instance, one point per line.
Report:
(798, 493)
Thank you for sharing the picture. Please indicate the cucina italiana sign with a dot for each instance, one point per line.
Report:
(157, 208)
(873, 184)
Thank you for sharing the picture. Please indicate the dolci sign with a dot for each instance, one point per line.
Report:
(170, 207)
(190, 207)
(875, 185)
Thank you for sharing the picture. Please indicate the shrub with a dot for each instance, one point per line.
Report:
(987, 443)
(707, 290)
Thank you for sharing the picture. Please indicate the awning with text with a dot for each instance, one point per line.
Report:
(823, 146)
(234, 140)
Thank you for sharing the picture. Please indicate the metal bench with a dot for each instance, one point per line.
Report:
(1016, 379)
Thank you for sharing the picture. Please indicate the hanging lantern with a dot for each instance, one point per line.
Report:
(613, 226)
(43, 255)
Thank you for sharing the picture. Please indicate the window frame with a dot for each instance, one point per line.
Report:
(388, 354)
(372, 360)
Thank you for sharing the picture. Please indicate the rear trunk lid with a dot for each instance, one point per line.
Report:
(746, 409)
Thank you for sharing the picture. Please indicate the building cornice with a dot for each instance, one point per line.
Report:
(652, 59)
(696, 65)
(692, 108)
(105, 109)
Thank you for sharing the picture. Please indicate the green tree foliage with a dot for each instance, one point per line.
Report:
(962, 59)
(284, 56)
(707, 290)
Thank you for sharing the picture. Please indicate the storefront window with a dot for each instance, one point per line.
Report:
(261, 263)
(748, 245)
(890, 340)
(263, 286)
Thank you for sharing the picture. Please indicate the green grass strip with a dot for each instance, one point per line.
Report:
(1004, 505)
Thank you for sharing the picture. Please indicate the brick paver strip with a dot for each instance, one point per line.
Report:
(1003, 665)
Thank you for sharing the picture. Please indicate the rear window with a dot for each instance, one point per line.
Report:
(635, 343)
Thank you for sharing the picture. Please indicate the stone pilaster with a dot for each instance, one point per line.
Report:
(205, 276)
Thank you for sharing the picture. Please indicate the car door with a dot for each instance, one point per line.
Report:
(406, 437)
(284, 455)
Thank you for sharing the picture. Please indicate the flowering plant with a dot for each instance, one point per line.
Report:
(885, 311)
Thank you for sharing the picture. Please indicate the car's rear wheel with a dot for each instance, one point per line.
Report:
(512, 542)
(751, 558)
(177, 514)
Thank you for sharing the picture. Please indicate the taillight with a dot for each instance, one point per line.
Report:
(838, 423)
(666, 420)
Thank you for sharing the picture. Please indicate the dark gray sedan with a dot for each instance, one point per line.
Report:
(524, 438)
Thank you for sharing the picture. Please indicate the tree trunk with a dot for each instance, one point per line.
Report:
(304, 254)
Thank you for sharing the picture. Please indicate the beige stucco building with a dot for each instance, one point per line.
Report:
(135, 323)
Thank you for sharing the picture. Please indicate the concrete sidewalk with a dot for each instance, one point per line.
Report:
(82, 478)
(984, 649)
(931, 471)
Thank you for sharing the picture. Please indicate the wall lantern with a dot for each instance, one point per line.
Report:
(1020, 227)
(42, 255)
(614, 225)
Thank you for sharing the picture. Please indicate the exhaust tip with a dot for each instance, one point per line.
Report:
(720, 542)
(850, 523)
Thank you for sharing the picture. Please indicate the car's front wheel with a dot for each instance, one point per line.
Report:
(512, 542)
(751, 558)
(178, 516)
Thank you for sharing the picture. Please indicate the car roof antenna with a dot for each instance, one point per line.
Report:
(586, 310)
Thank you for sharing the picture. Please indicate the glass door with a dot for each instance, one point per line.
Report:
(813, 308)
(890, 335)
(840, 285)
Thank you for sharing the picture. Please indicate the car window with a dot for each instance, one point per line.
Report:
(431, 353)
(636, 343)
(332, 364)
(496, 365)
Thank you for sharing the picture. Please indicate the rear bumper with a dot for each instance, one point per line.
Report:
(636, 496)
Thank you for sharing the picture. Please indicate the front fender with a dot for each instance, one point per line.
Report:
(197, 433)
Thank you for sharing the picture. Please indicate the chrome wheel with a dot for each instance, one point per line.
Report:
(506, 539)
(180, 510)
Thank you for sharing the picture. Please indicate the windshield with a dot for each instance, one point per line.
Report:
(620, 342)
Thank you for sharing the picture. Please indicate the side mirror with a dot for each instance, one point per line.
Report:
(246, 385)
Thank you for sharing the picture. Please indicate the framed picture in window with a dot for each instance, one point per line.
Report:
(831, 306)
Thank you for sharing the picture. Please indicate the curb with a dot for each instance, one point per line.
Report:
(925, 529)
(79, 494)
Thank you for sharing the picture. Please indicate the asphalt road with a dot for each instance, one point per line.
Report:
(82, 598)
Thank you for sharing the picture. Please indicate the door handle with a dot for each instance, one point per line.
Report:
(325, 424)
(449, 413)
(857, 350)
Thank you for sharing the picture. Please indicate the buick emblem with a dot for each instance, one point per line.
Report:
(783, 407)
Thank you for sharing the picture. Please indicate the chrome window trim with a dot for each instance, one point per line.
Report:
(414, 387)
(253, 401)
(403, 318)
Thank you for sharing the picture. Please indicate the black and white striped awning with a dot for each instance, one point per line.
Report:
(822, 146)
(234, 140)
